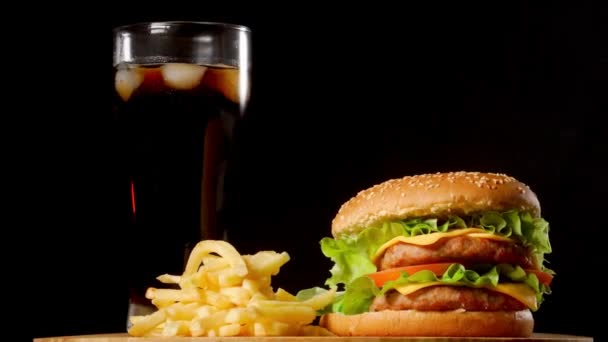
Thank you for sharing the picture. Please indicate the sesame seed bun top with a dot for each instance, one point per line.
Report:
(438, 195)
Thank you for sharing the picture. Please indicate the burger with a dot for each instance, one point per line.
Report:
(446, 254)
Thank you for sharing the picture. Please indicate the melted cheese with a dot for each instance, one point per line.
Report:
(520, 292)
(429, 239)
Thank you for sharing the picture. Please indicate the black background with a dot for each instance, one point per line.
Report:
(342, 99)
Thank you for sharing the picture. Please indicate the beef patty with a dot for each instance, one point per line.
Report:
(461, 249)
(441, 298)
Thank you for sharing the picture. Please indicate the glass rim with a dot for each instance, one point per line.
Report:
(141, 24)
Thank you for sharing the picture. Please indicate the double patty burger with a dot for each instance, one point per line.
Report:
(446, 254)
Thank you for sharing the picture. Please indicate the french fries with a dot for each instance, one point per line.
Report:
(223, 293)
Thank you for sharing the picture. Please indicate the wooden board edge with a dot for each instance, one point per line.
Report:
(123, 337)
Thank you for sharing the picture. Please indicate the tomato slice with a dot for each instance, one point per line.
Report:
(543, 277)
(391, 274)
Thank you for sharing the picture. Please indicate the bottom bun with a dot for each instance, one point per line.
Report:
(432, 323)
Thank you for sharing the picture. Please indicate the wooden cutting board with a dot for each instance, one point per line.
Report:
(537, 337)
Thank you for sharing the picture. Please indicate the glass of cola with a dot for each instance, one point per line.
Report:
(180, 90)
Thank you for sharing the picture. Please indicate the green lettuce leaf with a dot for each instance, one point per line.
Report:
(350, 259)
(352, 254)
(533, 232)
(305, 294)
(358, 296)
(360, 293)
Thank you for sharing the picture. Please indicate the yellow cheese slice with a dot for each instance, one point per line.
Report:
(429, 239)
(521, 292)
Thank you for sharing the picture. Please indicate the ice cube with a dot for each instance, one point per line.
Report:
(182, 76)
(126, 81)
(226, 82)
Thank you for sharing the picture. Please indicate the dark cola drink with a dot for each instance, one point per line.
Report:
(177, 122)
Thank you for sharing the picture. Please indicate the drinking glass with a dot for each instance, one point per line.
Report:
(180, 91)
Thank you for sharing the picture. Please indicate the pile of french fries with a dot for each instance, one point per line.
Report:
(224, 293)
